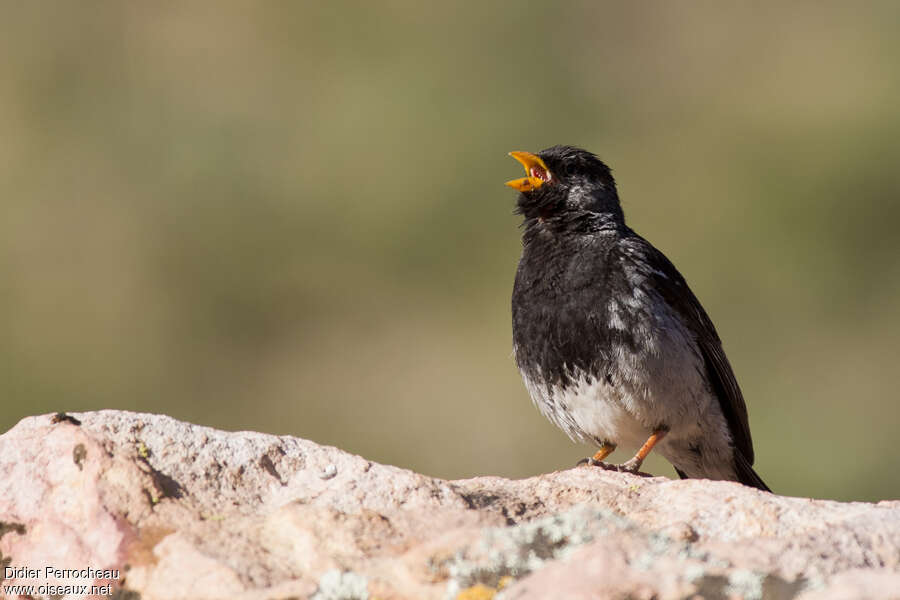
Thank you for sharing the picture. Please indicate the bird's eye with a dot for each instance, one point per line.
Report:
(540, 173)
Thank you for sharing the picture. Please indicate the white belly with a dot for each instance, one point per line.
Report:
(595, 411)
(660, 388)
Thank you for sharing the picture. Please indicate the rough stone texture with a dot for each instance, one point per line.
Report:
(190, 512)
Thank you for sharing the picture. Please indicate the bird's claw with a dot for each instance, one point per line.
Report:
(592, 462)
(631, 466)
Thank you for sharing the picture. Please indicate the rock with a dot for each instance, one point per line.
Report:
(160, 509)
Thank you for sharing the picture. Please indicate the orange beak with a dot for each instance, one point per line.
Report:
(535, 168)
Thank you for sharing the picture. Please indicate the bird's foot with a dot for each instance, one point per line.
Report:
(593, 462)
(626, 467)
(630, 466)
(596, 460)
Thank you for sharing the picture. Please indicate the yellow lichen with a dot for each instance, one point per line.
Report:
(479, 591)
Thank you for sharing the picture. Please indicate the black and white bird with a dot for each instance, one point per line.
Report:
(613, 346)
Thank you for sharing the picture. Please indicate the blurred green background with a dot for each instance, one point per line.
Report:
(290, 217)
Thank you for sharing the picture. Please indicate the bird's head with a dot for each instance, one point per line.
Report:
(565, 183)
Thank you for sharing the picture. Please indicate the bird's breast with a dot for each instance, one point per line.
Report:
(604, 356)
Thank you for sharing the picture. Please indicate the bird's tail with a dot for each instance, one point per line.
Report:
(744, 471)
(746, 474)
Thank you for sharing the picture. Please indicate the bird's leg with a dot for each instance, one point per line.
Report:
(597, 459)
(634, 464)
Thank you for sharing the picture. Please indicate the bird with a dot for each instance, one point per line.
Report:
(613, 346)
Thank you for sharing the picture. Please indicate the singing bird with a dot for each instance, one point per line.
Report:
(613, 346)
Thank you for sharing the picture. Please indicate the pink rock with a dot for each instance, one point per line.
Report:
(173, 510)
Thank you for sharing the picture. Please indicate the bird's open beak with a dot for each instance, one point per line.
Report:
(537, 172)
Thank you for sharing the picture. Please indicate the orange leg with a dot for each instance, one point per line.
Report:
(605, 450)
(597, 460)
(635, 463)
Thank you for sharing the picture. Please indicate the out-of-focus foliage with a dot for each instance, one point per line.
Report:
(290, 217)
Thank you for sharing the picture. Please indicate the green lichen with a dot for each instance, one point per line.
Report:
(342, 585)
(142, 450)
(513, 552)
(79, 453)
(509, 553)
(8, 527)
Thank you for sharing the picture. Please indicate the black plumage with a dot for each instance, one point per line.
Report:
(610, 340)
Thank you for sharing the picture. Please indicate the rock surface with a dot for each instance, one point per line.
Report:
(172, 510)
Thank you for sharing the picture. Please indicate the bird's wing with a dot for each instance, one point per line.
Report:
(666, 280)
